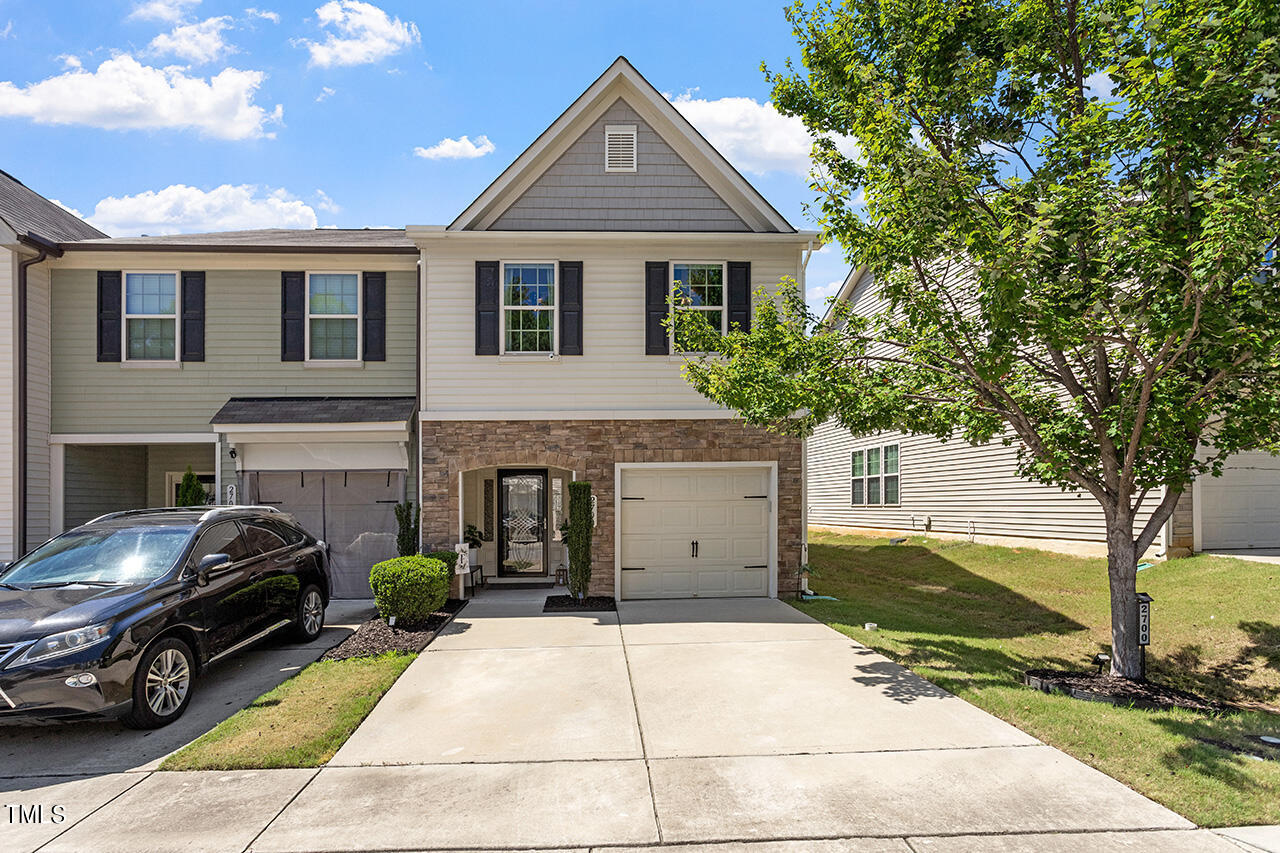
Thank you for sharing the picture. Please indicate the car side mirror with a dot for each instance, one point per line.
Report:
(210, 563)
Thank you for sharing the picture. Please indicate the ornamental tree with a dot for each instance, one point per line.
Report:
(1070, 211)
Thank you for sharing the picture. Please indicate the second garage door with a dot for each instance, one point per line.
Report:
(695, 532)
(1241, 509)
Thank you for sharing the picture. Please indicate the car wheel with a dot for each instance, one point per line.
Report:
(310, 619)
(161, 684)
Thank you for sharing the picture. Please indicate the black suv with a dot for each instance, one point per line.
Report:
(114, 617)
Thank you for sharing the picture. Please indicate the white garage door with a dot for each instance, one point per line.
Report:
(1241, 509)
(695, 532)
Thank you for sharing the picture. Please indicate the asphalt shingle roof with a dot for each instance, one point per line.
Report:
(376, 240)
(315, 410)
(25, 210)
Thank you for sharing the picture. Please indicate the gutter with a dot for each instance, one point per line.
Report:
(44, 248)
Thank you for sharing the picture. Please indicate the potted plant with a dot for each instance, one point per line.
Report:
(474, 539)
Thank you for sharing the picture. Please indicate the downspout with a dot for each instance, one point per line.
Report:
(804, 455)
(44, 249)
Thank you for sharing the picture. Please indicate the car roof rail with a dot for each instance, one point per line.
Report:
(128, 512)
(219, 510)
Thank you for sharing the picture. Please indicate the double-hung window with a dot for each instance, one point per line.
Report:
(700, 288)
(333, 316)
(874, 476)
(151, 316)
(528, 307)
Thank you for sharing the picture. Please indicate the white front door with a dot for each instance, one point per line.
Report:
(695, 532)
(1241, 509)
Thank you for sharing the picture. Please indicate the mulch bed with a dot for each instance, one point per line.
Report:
(1117, 691)
(376, 637)
(569, 604)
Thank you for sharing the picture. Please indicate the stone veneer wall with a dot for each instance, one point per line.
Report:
(590, 448)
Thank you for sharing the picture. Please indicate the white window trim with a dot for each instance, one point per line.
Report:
(724, 299)
(358, 317)
(125, 317)
(865, 476)
(541, 355)
(622, 130)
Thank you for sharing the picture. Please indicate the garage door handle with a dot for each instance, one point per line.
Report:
(693, 548)
(763, 566)
(633, 568)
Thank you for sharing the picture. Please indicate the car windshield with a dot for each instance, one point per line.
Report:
(128, 555)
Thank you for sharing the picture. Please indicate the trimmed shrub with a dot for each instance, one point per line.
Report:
(409, 588)
(579, 539)
(190, 492)
(449, 558)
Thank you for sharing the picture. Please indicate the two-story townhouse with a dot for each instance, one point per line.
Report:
(546, 358)
(30, 228)
(893, 483)
(279, 365)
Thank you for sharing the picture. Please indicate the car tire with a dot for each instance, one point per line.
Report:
(309, 618)
(161, 684)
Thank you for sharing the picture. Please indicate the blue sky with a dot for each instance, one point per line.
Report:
(164, 116)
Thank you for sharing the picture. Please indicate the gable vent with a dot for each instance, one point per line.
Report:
(620, 148)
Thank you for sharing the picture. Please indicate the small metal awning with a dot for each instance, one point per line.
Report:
(317, 433)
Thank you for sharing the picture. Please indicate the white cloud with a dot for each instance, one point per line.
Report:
(1098, 85)
(462, 148)
(198, 43)
(819, 292)
(69, 61)
(125, 94)
(753, 136)
(7, 31)
(162, 10)
(361, 33)
(327, 204)
(68, 208)
(273, 17)
(180, 209)
(325, 92)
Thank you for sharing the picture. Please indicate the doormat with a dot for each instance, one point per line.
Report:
(529, 585)
(569, 604)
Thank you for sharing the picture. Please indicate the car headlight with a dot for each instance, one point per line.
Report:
(57, 645)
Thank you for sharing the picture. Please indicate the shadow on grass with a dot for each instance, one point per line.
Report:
(910, 588)
(1208, 759)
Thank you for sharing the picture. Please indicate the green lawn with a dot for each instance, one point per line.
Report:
(301, 723)
(971, 618)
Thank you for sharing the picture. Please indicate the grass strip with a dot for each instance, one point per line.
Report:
(301, 723)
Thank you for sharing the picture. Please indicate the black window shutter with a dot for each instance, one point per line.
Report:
(657, 303)
(740, 295)
(571, 307)
(488, 311)
(108, 315)
(193, 316)
(293, 316)
(375, 316)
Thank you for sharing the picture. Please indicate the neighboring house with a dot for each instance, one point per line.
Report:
(30, 227)
(481, 365)
(896, 482)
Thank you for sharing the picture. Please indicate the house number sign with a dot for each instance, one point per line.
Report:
(1144, 619)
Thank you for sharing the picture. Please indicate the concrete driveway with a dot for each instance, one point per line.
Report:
(695, 722)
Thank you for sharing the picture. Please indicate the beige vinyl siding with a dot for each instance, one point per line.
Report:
(164, 459)
(575, 193)
(242, 351)
(613, 374)
(8, 411)
(39, 399)
(102, 479)
(952, 484)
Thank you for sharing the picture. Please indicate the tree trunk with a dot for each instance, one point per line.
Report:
(1122, 572)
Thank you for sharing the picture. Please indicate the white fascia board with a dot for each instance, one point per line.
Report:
(229, 259)
(579, 415)
(429, 236)
(851, 282)
(133, 438)
(621, 79)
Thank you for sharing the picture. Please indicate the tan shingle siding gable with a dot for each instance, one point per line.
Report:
(576, 193)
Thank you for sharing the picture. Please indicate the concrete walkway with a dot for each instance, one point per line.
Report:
(739, 724)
